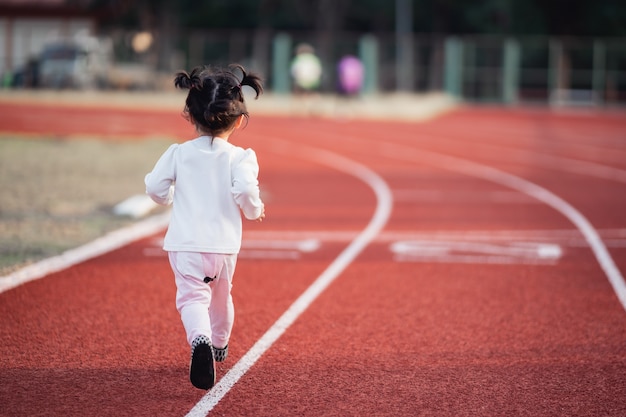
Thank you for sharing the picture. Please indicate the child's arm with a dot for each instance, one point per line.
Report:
(160, 182)
(245, 186)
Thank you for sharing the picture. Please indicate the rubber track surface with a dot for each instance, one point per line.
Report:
(445, 332)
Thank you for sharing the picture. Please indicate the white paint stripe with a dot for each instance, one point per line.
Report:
(381, 215)
(553, 162)
(472, 259)
(508, 180)
(581, 167)
(563, 236)
(441, 196)
(521, 249)
(305, 245)
(269, 254)
(107, 243)
(476, 252)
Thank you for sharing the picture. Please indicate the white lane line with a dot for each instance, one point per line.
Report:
(269, 254)
(102, 245)
(533, 253)
(304, 245)
(612, 238)
(564, 236)
(607, 141)
(497, 176)
(553, 162)
(378, 221)
(461, 196)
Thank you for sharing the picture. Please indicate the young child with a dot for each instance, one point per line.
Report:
(214, 181)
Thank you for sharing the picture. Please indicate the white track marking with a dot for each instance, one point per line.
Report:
(581, 167)
(107, 243)
(611, 139)
(497, 176)
(257, 249)
(461, 196)
(378, 221)
(305, 245)
(269, 254)
(553, 162)
(277, 248)
(476, 252)
(615, 238)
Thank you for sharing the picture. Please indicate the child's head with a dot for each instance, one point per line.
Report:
(215, 101)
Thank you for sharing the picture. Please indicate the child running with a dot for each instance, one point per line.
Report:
(214, 181)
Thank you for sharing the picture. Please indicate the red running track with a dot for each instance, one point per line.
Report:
(476, 299)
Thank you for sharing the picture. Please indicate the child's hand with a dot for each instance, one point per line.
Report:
(262, 216)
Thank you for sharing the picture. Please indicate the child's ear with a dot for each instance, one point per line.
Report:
(239, 121)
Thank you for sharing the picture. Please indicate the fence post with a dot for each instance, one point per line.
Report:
(555, 71)
(281, 55)
(471, 87)
(453, 66)
(405, 69)
(404, 45)
(599, 70)
(510, 71)
(368, 53)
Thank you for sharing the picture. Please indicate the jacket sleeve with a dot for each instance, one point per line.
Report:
(245, 184)
(160, 182)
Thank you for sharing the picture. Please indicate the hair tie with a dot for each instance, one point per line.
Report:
(196, 84)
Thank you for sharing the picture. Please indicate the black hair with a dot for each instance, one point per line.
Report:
(215, 99)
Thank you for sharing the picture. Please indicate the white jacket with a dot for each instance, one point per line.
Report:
(214, 180)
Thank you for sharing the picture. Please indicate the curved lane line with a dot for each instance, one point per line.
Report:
(550, 161)
(488, 173)
(378, 221)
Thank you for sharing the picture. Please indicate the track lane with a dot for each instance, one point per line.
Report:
(444, 339)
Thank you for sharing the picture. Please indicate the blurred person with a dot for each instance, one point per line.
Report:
(306, 69)
(351, 73)
(210, 182)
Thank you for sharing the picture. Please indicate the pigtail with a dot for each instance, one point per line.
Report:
(182, 80)
(196, 78)
(251, 80)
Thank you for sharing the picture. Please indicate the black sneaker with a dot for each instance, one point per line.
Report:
(202, 367)
(220, 354)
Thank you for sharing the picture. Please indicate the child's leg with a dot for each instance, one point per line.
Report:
(193, 295)
(221, 310)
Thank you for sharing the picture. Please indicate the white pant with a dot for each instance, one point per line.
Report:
(205, 308)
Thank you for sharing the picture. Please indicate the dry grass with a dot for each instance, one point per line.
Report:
(58, 194)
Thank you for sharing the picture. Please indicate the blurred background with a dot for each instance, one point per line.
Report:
(498, 51)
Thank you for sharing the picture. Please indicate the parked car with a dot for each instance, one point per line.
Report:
(72, 64)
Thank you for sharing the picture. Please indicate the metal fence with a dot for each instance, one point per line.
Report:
(575, 71)
(571, 71)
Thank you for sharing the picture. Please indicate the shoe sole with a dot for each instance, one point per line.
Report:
(202, 369)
